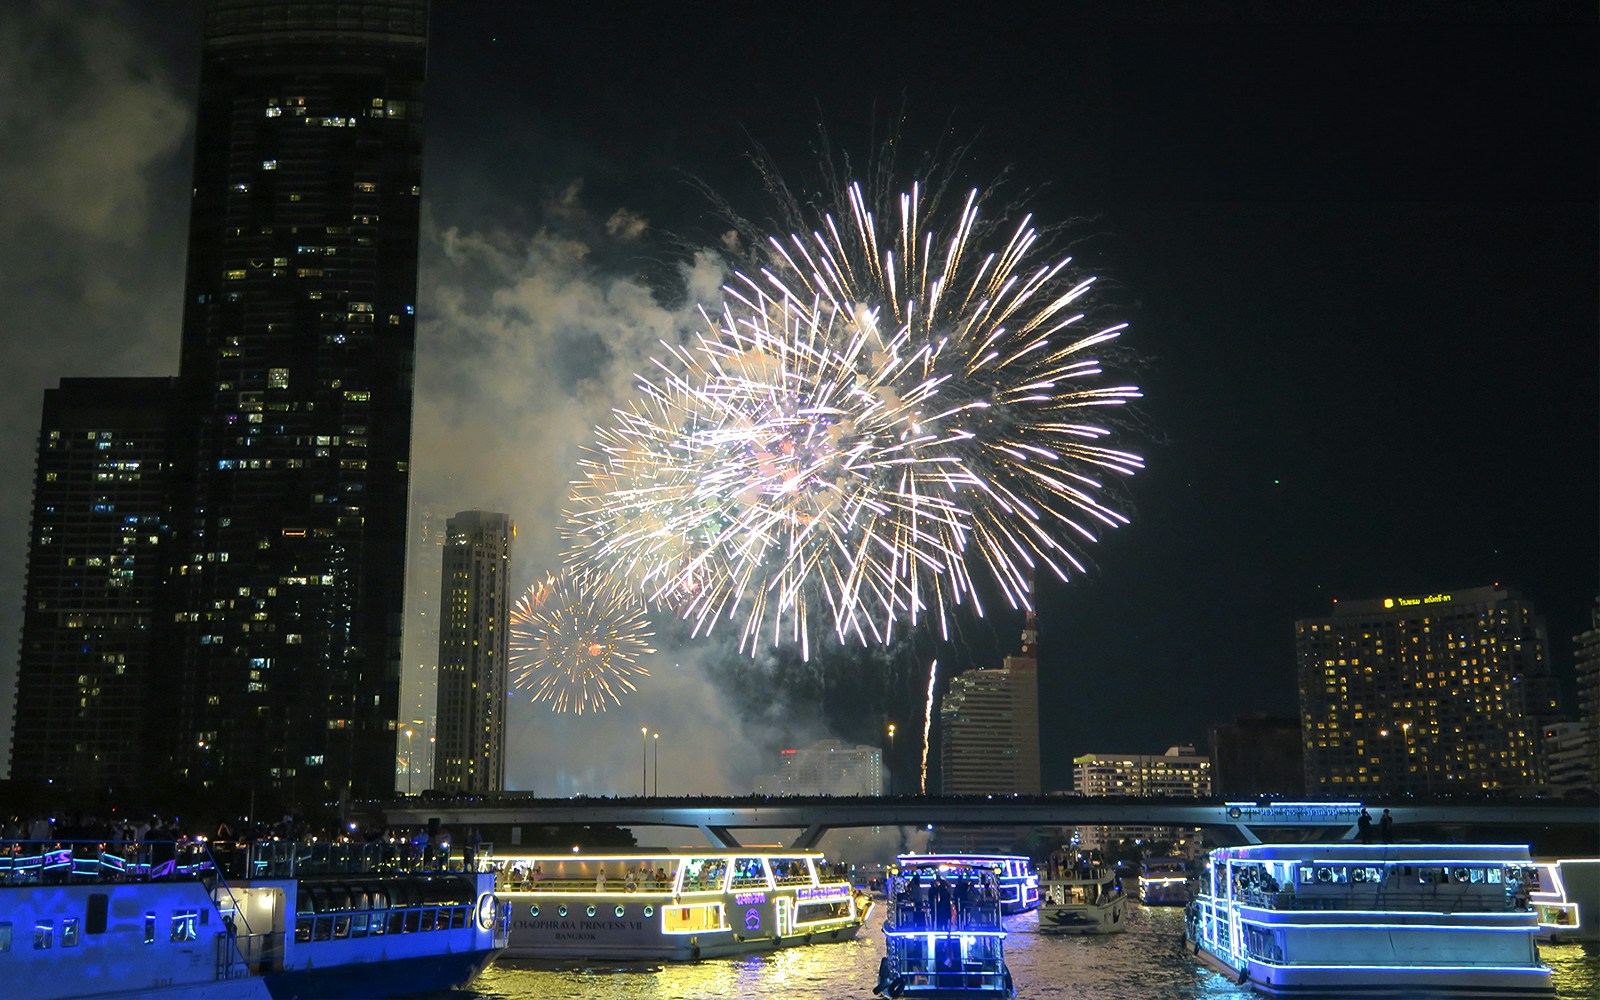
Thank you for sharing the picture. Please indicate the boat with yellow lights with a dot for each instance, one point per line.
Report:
(674, 905)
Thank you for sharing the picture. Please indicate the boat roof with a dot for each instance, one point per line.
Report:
(1405, 854)
(660, 854)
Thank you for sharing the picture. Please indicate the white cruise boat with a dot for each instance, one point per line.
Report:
(164, 921)
(1567, 899)
(1164, 881)
(1401, 921)
(1080, 896)
(1019, 883)
(674, 905)
(943, 934)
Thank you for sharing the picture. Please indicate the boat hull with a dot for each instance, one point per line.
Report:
(378, 979)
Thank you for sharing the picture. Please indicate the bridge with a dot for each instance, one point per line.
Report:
(1226, 822)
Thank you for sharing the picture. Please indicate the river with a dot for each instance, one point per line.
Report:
(1142, 964)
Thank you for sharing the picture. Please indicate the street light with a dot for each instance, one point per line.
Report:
(656, 791)
(409, 734)
(644, 761)
(891, 758)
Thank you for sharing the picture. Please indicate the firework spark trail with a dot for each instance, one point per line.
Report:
(875, 418)
(927, 722)
(576, 642)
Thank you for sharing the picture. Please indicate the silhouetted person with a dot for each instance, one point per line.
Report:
(1386, 827)
(1364, 827)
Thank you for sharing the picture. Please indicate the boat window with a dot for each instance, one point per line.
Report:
(302, 929)
(649, 911)
(95, 916)
(748, 873)
(44, 934)
(149, 927)
(358, 925)
(341, 926)
(184, 926)
(413, 921)
(69, 932)
(322, 930)
(427, 920)
(397, 921)
(458, 918)
(704, 873)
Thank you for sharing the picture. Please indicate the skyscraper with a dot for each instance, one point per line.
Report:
(1180, 773)
(989, 727)
(1424, 694)
(297, 354)
(474, 647)
(93, 583)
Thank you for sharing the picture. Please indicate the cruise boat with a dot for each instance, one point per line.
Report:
(1567, 899)
(943, 933)
(1078, 895)
(165, 921)
(1411, 920)
(1164, 881)
(674, 905)
(1019, 883)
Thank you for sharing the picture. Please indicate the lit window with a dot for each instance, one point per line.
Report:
(269, 164)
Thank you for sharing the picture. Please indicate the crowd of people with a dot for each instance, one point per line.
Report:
(945, 905)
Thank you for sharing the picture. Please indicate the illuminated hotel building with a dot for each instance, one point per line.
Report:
(827, 767)
(1573, 748)
(1424, 694)
(474, 653)
(84, 698)
(989, 727)
(298, 348)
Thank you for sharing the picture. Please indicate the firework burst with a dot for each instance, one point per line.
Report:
(878, 416)
(576, 642)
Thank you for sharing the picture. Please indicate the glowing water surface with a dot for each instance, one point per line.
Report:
(1142, 964)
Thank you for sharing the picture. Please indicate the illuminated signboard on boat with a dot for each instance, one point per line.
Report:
(750, 898)
(822, 893)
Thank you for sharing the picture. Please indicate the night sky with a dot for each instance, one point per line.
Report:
(1357, 254)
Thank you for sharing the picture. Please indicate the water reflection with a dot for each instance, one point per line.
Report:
(1144, 963)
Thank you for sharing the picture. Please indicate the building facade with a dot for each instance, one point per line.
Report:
(1180, 773)
(826, 767)
(1258, 757)
(989, 727)
(1572, 748)
(85, 710)
(297, 354)
(474, 653)
(1425, 694)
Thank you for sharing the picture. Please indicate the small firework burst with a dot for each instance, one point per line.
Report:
(576, 640)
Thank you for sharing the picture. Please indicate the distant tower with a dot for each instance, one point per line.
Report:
(989, 726)
(85, 714)
(1425, 694)
(474, 641)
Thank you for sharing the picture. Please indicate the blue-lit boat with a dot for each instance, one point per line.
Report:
(943, 935)
(1404, 920)
(165, 921)
(1019, 883)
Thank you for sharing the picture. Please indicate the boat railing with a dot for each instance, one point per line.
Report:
(1433, 897)
(570, 885)
(295, 858)
(61, 862)
(919, 915)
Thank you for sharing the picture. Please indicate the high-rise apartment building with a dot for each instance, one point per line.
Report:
(989, 727)
(94, 583)
(1424, 694)
(1572, 748)
(474, 652)
(298, 343)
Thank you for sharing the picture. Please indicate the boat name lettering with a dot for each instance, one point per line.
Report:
(573, 925)
(750, 898)
(823, 893)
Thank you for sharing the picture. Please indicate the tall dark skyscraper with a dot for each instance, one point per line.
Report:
(95, 555)
(298, 337)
